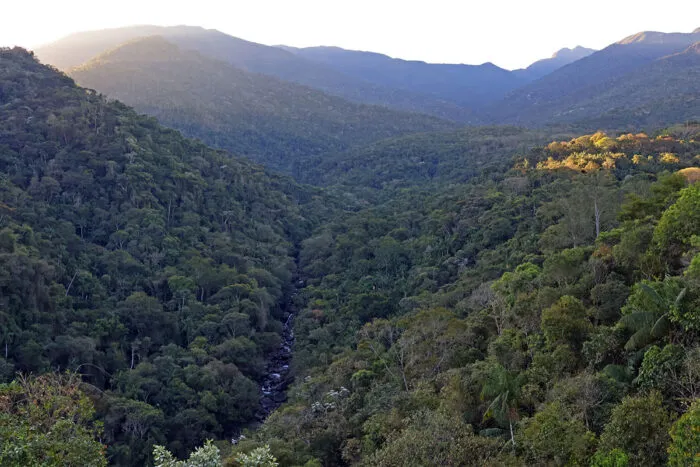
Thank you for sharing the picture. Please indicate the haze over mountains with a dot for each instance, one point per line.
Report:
(578, 86)
(271, 121)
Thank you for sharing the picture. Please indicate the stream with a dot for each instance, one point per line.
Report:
(273, 386)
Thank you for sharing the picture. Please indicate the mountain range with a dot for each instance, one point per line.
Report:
(579, 87)
(450, 91)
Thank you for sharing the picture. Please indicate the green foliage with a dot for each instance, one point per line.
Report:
(445, 285)
(48, 421)
(652, 308)
(614, 458)
(493, 300)
(639, 427)
(659, 367)
(553, 437)
(432, 438)
(150, 263)
(566, 323)
(678, 224)
(685, 438)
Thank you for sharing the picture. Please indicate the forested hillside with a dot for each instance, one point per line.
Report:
(544, 314)
(148, 263)
(270, 121)
(614, 88)
(431, 160)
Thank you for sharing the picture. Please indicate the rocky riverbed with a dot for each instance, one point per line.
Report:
(273, 386)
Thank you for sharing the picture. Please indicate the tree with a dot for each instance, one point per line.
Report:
(434, 438)
(685, 438)
(566, 323)
(47, 420)
(639, 427)
(258, 457)
(614, 458)
(204, 456)
(678, 224)
(649, 308)
(554, 437)
(502, 389)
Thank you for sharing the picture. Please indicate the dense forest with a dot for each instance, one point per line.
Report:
(541, 315)
(496, 295)
(149, 263)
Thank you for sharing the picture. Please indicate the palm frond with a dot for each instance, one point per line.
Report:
(639, 339)
(661, 327)
(639, 320)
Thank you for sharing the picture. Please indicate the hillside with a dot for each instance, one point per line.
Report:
(664, 91)
(268, 120)
(470, 86)
(562, 92)
(544, 313)
(150, 264)
(426, 160)
(78, 48)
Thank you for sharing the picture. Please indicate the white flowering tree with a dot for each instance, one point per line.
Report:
(204, 456)
(259, 457)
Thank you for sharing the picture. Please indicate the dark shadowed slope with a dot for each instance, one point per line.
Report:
(666, 90)
(471, 86)
(266, 119)
(559, 93)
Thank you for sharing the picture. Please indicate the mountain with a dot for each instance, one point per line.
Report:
(266, 119)
(559, 95)
(470, 86)
(559, 59)
(78, 48)
(666, 90)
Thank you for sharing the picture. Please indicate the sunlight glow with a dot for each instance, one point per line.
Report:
(509, 33)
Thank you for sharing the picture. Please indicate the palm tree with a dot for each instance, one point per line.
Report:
(502, 388)
(648, 311)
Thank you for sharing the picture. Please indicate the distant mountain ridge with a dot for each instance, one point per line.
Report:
(577, 86)
(269, 120)
(449, 91)
(76, 49)
(560, 58)
(562, 94)
(471, 86)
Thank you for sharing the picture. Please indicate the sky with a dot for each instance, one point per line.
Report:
(509, 33)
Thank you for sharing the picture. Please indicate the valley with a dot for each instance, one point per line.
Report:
(217, 252)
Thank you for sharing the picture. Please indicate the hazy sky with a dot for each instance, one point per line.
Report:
(509, 33)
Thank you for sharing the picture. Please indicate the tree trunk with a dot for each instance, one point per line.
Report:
(597, 218)
(512, 438)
